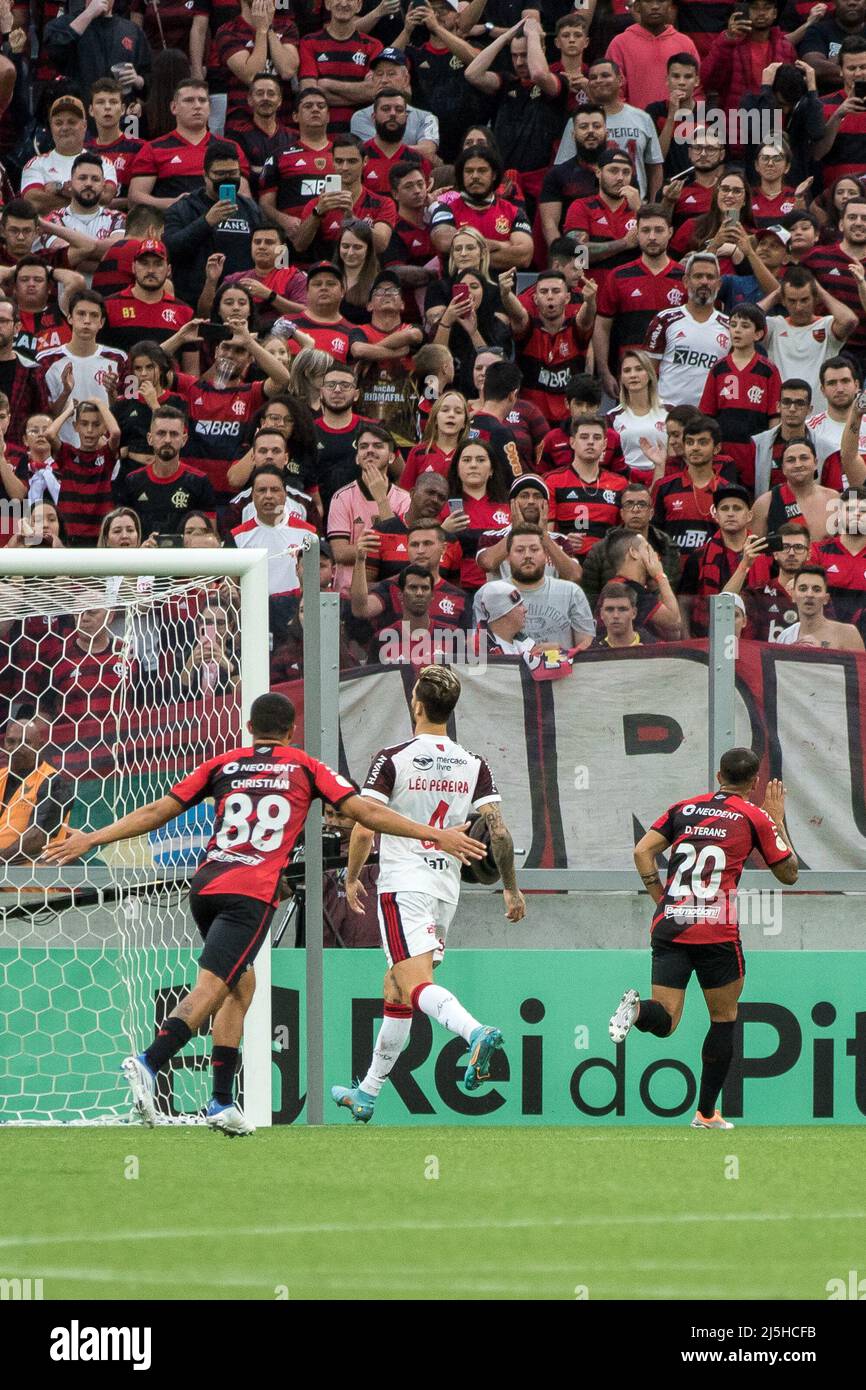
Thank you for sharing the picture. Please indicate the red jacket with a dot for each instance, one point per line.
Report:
(727, 69)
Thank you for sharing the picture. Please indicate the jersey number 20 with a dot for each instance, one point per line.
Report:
(265, 832)
(692, 866)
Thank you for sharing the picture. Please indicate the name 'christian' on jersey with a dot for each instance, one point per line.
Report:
(711, 837)
(261, 795)
(433, 780)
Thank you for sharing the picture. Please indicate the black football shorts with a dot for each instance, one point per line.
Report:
(234, 929)
(716, 964)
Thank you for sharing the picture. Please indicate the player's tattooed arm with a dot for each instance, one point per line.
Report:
(645, 853)
(502, 848)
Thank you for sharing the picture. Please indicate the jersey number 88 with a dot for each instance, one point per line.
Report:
(265, 832)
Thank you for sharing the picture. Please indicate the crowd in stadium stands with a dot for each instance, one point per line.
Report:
(550, 322)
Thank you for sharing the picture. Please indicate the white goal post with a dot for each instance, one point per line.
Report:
(64, 575)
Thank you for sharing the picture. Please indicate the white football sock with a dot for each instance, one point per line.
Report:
(441, 1005)
(389, 1044)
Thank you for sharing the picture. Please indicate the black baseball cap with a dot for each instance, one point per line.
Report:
(731, 490)
(614, 156)
(385, 277)
(325, 268)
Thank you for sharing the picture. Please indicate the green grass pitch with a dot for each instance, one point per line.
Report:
(355, 1213)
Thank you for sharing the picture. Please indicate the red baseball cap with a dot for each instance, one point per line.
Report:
(151, 248)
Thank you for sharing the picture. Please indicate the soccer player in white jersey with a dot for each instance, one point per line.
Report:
(437, 782)
(687, 341)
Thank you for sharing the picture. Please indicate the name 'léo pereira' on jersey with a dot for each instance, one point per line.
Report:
(433, 780)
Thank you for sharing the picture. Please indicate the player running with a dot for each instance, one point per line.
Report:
(435, 780)
(262, 793)
(695, 925)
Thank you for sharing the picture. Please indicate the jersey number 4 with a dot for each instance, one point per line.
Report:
(437, 819)
(265, 832)
(688, 880)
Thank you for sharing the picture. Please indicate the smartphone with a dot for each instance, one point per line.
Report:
(731, 217)
(461, 293)
(455, 504)
(581, 257)
(216, 332)
(228, 193)
(774, 541)
(333, 183)
(860, 88)
(167, 540)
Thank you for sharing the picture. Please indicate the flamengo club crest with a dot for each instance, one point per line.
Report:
(180, 499)
(239, 408)
(675, 296)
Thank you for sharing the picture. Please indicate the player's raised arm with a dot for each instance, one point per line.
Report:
(502, 849)
(646, 851)
(453, 841)
(127, 828)
(786, 870)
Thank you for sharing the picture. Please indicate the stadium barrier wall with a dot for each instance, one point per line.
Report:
(800, 1050)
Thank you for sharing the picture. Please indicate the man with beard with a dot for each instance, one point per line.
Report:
(605, 222)
(576, 177)
(388, 146)
(86, 211)
(830, 428)
(386, 545)
(529, 497)
(557, 613)
(403, 639)
(260, 39)
(840, 268)
(45, 178)
(503, 224)
(145, 310)
(389, 69)
(322, 218)
(688, 341)
(636, 509)
(690, 196)
(164, 491)
(36, 288)
(259, 132)
(632, 130)
(634, 293)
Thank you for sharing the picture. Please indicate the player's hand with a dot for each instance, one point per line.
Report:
(456, 842)
(774, 801)
(73, 847)
(356, 895)
(515, 904)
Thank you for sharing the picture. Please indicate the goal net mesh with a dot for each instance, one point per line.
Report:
(112, 689)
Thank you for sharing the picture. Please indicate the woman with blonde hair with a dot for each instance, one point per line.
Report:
(120, 530)
(468, 251)
(447, 428)
(639, 415)
(307, 375)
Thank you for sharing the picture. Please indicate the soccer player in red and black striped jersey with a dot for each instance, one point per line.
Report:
(634, 294)
(584, 498)
(742, 390)
(261, 793)
(694, 927)
(552, 343)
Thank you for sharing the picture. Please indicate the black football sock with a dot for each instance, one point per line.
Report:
(716, 1054)
(224, 1063)
(653, 1017)
(172, 1036)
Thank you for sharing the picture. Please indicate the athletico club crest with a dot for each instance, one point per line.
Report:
(320, 163)
(501, 225)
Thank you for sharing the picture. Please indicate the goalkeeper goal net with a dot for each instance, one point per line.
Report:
(116, 681)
